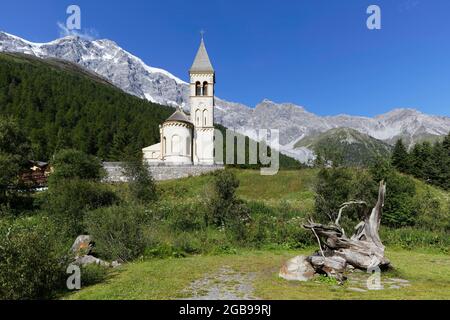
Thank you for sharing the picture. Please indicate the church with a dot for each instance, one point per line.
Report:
(189, 139)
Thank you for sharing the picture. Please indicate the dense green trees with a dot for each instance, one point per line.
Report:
(425, 161)
(14, 153)
(58, 109)
(336, 186)
(400, 157)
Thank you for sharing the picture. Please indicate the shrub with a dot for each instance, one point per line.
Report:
(68, 202)
(333, 188)
(92, 274)
(226, 209)
(399, 209)
(140, 181)
(338, 185)
(187, 216)
(117, 232)
(71, 164)
(32, 262)
(432, 212)
(281, 226)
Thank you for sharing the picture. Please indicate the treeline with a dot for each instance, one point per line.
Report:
(425, 161)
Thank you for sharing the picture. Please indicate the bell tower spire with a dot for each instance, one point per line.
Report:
(202, 81)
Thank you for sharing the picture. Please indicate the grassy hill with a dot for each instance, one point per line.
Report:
(353, 147)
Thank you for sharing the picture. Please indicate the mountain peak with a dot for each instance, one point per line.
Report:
(401, 112)
(269, 102)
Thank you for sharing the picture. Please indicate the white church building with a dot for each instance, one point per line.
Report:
(189, 139)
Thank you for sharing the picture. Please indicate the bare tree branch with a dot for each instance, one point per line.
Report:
(363, 250)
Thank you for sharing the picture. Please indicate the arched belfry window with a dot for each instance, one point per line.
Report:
(205, 88)
(205, 117)
(198, 88)
(197, 117)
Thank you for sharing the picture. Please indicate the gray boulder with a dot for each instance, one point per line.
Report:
(297, 269)
(82, 246)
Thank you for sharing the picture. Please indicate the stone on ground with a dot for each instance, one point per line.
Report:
(297, 269)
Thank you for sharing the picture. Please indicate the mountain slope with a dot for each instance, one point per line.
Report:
(124, 70)
(62, 106)
(351, 146)
(107, 59)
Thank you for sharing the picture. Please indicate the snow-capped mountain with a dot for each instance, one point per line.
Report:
(295, 123)
(107, 59)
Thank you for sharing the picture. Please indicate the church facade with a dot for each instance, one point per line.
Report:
(189, 139)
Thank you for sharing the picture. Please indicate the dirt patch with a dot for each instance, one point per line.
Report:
(224, 284)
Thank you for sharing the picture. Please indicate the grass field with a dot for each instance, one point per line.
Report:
(426, 270)
(428, 274)
(293, 186)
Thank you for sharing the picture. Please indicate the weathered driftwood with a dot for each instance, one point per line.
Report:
(364, 250)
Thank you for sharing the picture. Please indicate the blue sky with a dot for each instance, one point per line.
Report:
(315, 53)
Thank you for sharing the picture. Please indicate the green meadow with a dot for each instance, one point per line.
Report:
(419, 257)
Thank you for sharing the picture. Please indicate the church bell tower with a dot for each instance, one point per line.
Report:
(202, 81)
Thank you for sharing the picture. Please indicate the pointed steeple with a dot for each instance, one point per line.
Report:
(202, 62)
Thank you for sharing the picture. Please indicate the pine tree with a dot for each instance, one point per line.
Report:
(417, 161)
(400, 157)
(421, 160)
(435, 165)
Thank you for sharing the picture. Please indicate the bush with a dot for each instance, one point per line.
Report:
(32, 262)
(338, 185)
(68, 202)
(74, 164)
(226, 209)
(92, 274)
(140, 181)
(333, 188)
(281, 226)
(117, 232)
(399, 208)
(432, 212)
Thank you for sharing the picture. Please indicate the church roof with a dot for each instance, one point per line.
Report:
(202, 62)
(179, 116)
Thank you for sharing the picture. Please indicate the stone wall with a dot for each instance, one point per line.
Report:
(160, 172)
